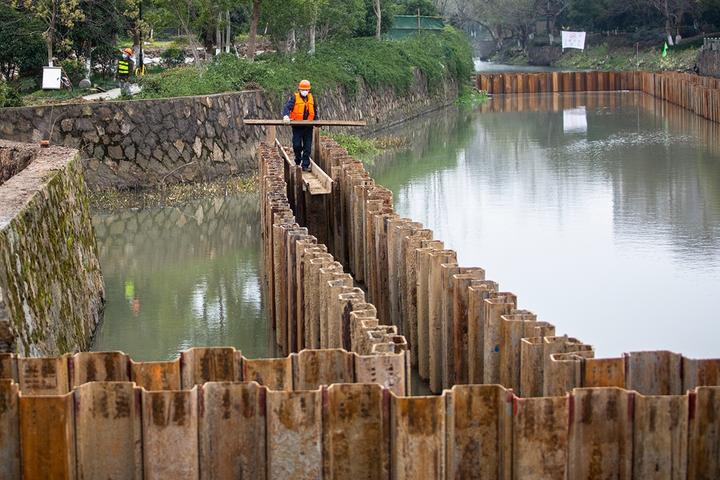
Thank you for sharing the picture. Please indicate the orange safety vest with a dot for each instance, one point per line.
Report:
(302, 106)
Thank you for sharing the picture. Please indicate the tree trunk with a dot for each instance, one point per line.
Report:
(218, 35)
(228, 37)
(292, 41)
(312, 36)
(668, 26)
(378, 16)
(252, 38)
(51, 33)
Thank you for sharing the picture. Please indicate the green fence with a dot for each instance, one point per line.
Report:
(405, 25)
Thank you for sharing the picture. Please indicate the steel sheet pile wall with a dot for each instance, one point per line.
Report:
(245, 430)
(312, 302)
(461, 327)
(696, 93)
(306, 370)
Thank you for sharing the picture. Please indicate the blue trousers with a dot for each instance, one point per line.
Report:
(302, 145)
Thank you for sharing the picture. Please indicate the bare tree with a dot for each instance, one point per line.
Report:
(672, 11)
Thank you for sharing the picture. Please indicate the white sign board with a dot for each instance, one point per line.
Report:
(573, 40)
(575, 120)
(51, 78)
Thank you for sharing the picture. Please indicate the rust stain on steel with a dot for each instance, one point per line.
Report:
(47, 436)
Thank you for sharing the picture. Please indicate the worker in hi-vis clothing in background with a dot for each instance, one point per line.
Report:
(301, 106)
(124, 70)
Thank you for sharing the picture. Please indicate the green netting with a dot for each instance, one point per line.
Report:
(405, 25)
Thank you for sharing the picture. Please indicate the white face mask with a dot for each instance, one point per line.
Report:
(304, 93)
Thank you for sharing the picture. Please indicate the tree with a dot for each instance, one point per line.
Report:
(254, 19)
(186, 13)
(375, 19)
(415, 7)
(500, 17)
(340, 18)
(52, 13)
(22, 41)
(673, 12)
(550, 10)
(94, 36)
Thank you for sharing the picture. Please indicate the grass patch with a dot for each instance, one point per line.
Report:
(602, 58)
(470, 97)
(365, 149)
(112, 199)
(356, 146)
(335, 64)
(43, 97)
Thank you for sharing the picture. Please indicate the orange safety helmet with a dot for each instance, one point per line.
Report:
(129, 51)
(304, 85)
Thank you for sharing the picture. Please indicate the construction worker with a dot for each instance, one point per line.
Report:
(124, 68)
(301, 106)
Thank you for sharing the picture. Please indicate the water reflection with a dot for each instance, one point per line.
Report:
(178, 277)
(608, 226)
(490, 67)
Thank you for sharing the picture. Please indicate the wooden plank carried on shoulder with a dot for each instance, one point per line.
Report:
(314, 123)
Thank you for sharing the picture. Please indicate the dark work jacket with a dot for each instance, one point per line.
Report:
(290, 104)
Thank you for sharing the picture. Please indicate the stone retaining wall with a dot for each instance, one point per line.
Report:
(13, 159)
(51, 289)
(709, 62)
(143, 143)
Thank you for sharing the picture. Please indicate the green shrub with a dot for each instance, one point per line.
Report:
(173, 56)
(9, 97)
(74, 69)
(380, 64)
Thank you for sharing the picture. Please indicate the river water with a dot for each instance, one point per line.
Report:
(600, 211)
(178, 277)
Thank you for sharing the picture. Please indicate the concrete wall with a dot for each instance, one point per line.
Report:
(232, 429)
(147, 142)
(51, 289)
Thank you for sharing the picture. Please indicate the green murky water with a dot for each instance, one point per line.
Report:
(178, 277)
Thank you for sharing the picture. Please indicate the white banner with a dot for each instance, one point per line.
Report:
(573, 40)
